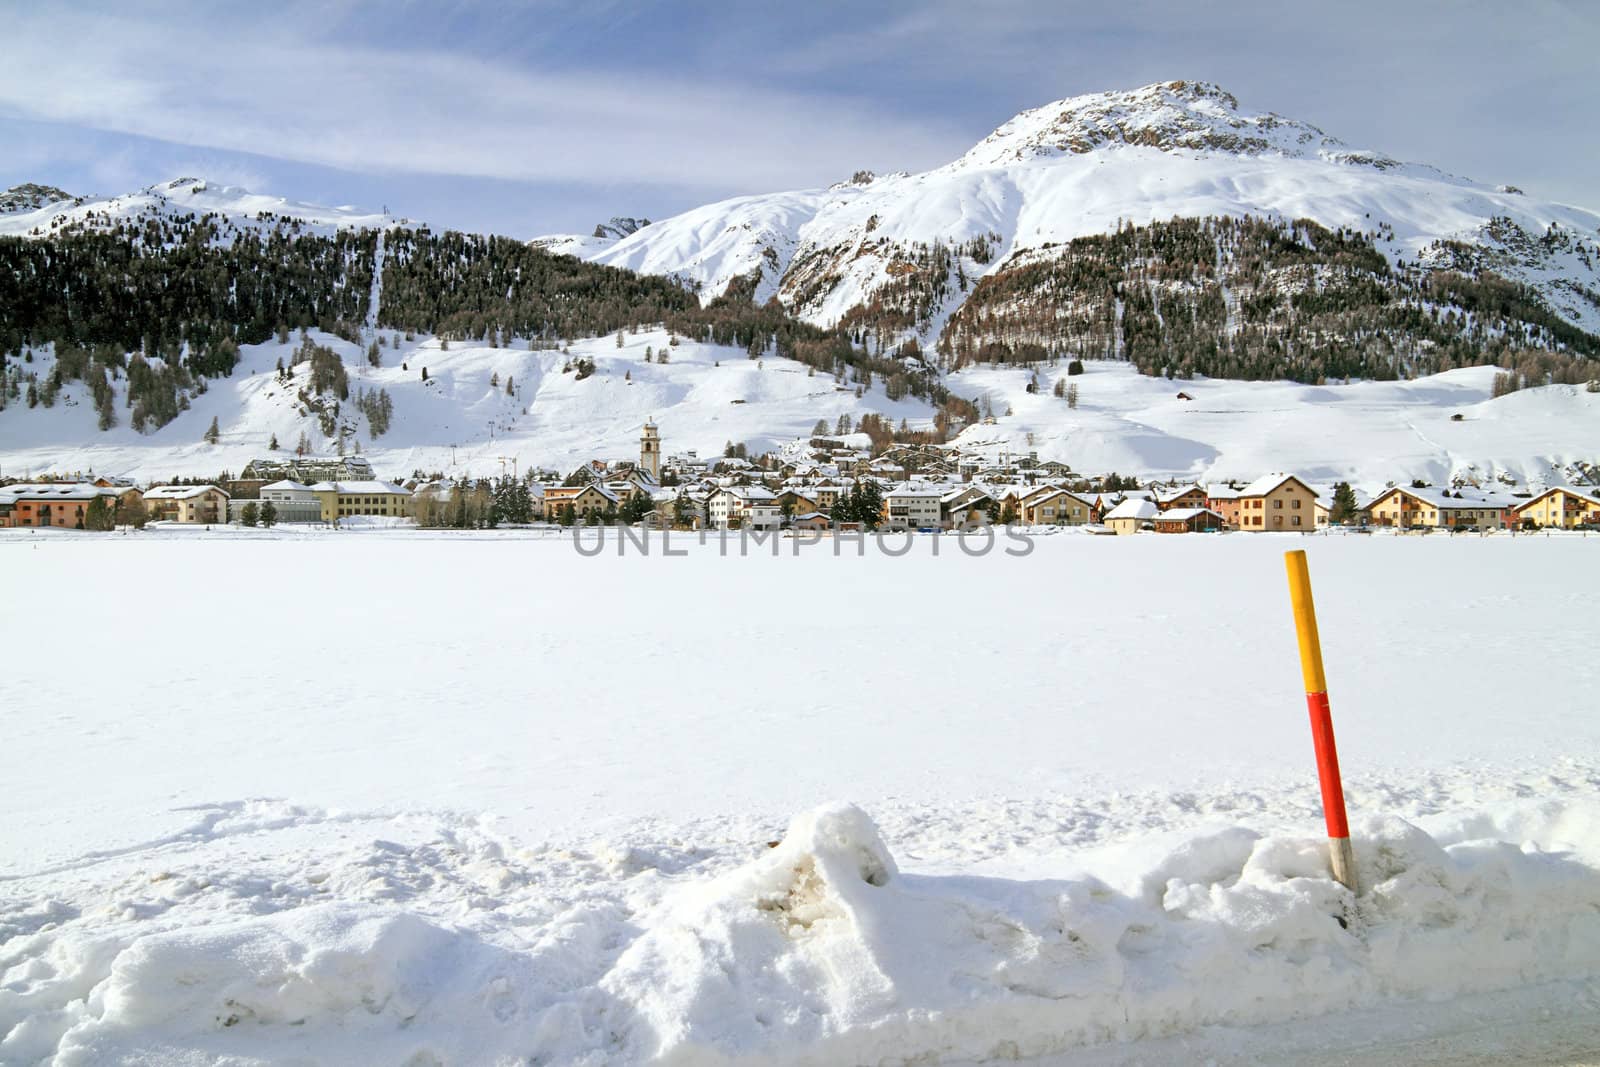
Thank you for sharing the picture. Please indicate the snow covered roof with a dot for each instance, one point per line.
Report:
(1185, 514)
(350, 488)
(56, 491)
(179, 492)
(1588, 494)
(1268, 482)
(1164, 495)
(1445, 501)
(1134, 508)
(287, 485)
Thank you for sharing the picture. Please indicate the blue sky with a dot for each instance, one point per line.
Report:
(548, 116)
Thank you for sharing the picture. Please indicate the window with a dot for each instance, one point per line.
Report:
(1277, 504)
(1294, 504)
(1297, 520)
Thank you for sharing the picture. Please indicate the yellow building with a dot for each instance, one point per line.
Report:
(343, 499)
(1562, 507)
(1277, 503)
(1055, 506)
(583, 498)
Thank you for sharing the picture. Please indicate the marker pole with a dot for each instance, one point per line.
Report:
(1305, 623)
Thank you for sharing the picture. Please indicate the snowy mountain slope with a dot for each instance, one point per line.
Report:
(46, 214)
(1370, 433)
(1367, 433)
(588, 245)
(457, 421)
(1089, 164)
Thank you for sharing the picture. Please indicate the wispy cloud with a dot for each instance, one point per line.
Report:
(284, 93)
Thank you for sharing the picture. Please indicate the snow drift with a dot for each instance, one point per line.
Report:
(821, 950)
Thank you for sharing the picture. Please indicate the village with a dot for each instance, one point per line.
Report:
(825, 484)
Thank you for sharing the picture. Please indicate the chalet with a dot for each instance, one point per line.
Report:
(187, 504)
(1132, 515)
(796, 502)
(1413, 508)
(1182, 496)
(1277, 503)
(965, 507)
(1187, 520)
(826, 495)
(1053, 505)
(1562, 507)
(811, 520)
(583, 499)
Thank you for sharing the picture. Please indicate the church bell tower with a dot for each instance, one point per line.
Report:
(650, 450)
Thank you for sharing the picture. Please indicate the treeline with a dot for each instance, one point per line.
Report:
(469, 287)
(1248, 298)
(190, 298)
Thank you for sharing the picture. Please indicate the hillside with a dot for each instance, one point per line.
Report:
(463, 420)
(900, 255)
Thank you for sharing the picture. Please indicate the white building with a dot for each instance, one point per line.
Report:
(291, 501)
(913, 507)
(747, 506)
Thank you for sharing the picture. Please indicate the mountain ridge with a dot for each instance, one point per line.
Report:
(1089, 165)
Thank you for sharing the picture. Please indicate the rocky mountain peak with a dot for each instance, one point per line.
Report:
(1171, 116)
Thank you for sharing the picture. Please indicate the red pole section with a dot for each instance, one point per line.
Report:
(1305, 622)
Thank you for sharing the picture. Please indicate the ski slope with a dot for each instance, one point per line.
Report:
(525, 811)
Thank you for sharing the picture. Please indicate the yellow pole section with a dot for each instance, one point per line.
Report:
(1305, 621)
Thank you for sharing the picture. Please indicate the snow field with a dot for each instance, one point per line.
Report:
(522, 812)
(1367, 433)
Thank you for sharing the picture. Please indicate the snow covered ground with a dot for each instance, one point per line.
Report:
(461, 422)
(397, 797)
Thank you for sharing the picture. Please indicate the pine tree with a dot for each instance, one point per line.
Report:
(1072, 395)
(248, 514)
(510, 388)
(1344, 504)
(100, 515)
(213, 432)
(268, 513)
(272, 445)
(494, 380)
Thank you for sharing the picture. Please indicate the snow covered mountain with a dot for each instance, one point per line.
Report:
(43, 211)
(1092, 165)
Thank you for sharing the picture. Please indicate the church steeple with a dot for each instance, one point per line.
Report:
(650, 450)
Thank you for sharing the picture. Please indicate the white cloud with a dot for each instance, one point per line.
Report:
(286, 95)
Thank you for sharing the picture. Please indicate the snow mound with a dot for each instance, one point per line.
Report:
(820, 950)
